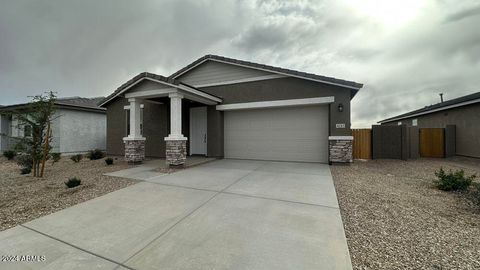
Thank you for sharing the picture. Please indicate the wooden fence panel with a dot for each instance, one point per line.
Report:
(362, 143)
(432, 142)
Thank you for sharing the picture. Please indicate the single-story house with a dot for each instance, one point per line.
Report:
(463, 112)
(79, 125)
(224, 107)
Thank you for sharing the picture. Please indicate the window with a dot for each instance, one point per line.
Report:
(414, 122)
(27, 131)
(127, 120)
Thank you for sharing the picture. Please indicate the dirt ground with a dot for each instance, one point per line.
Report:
(24, 198)
(395, 218)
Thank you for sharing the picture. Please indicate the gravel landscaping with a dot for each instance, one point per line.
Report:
(395, 218)
(24, 198)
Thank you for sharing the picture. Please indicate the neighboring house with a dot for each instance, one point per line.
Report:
(79, 126)
(223, 107)
(463, 112)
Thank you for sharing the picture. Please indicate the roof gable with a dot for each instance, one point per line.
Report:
(209, 73)
(266, 68)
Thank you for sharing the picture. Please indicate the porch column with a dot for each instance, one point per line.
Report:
(176, 143)
(134, 142)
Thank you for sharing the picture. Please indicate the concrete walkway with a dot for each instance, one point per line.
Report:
(152, 168)
(226, 214)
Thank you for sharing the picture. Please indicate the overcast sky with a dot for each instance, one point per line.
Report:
(405, 52)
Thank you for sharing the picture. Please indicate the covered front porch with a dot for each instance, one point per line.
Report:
(182, 104)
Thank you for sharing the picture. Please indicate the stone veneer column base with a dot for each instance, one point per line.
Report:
(134, 150)
(341, 149)
(176, 151)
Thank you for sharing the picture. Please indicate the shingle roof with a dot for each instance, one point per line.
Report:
(168, 80)
(71, 102)
(267, 67)
(435, 107)
(80, 101)
(172, 78)
(136, 78)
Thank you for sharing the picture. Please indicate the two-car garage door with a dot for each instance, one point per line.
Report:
(287, 134)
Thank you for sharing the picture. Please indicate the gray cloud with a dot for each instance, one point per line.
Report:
(89, 48)
(463, 14)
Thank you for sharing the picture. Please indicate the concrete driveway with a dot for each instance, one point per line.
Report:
(226, 214)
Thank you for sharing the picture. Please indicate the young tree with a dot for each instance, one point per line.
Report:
(36, 118)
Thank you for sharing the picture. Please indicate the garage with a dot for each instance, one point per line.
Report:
(297, 133)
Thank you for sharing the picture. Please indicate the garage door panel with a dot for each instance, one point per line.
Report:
(289, 134)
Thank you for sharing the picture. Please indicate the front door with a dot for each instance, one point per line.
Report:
(198, 131)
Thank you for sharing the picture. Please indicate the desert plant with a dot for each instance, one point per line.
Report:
(73, 182)
(109, 161)
(453, 180)
(76, 158)
(36, 117)
(95, 154)
(474, 194)
(25, 161)
(56, 157)
(9, 154)
(26, 170)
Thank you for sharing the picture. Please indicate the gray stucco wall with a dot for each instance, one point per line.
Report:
(289, 88)
(116, 126)
(156, 125)
(215, 132)
(4, 133)
(81, 131)
(467, 122)
(156, 116)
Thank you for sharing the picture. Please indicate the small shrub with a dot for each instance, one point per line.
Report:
(95, 154)
(453, 180)
(109, 161)
(25, 170)
(9, 154)
(76, 158)
(25, 161)
(56, 157)
(73, 182)
(475, 193)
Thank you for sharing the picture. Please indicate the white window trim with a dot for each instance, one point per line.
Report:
(276, 103)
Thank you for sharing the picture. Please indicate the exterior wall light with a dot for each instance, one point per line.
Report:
(340, 107)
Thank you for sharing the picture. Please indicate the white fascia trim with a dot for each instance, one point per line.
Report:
(127, 107)
(151, 93)
(432, 111)
(134, 138)
(185, 71)
(253, 79)
(332, 138)
(183, 87)
(276, 103)
(199, 99)
(200, 93)
(268, 70)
